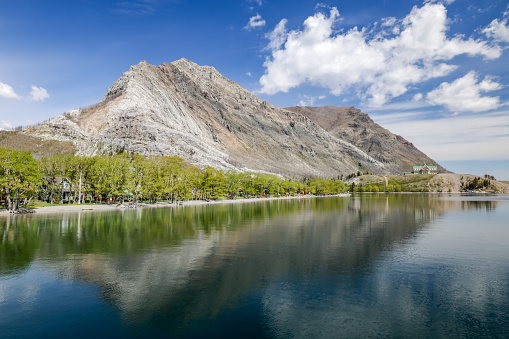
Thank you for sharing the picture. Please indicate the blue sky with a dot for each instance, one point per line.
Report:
(435, 72)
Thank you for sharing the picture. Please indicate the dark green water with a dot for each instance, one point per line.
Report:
(402, 266)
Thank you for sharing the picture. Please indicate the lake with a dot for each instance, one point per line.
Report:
(372, 265)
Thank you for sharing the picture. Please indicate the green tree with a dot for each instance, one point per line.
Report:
(19, 177)
(49, 170)
(139, 176)
(101, 170)
(233, 183)
(119, 166)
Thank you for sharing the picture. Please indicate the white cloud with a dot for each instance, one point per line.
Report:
(417, 97)
(308, 100)
(6, 91)
(389, 22)
(5, 125)
(277, 37)
(400, 106)
(255, 21)
(498, 30)
(259, 2)
(460, 137)
(383, 65)
(464, 94)
(38, 94)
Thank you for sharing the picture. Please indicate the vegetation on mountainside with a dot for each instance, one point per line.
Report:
(395, 183)
(36, 146)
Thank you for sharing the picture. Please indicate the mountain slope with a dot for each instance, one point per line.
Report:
(194, 112)
(350, 124)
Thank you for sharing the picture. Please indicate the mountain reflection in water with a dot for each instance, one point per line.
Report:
(367, 265)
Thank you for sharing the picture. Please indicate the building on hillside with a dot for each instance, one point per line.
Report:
(425, 169)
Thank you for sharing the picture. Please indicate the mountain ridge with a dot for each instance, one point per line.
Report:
(357, 127)
(192, 111)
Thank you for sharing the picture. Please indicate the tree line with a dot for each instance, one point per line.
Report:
(135, 178)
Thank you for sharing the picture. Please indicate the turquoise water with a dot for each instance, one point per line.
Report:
(404, 266)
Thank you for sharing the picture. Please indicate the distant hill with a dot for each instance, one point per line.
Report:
(442, 182)
(37, 146)
(194, 112)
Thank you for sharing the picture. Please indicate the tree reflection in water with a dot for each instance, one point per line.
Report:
(177, 268)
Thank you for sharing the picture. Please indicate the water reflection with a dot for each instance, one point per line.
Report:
(328, 264)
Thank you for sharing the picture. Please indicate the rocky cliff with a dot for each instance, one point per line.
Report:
(194, 112)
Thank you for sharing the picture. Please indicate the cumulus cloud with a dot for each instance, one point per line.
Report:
(6, 91)
(390, 21)
(464, 94)
(498, 30)
(381, 64)
(255, 21)
(38, 94)
(277, 37)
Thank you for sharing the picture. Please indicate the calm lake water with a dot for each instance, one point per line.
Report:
(403, 266)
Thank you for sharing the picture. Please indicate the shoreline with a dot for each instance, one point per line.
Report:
(61, 209)
(102, 207)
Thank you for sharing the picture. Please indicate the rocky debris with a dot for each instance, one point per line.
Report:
(194, 112)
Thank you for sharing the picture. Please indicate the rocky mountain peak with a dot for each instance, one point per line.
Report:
(192, 111)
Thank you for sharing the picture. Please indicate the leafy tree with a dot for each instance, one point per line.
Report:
(49, 170)
(233, 183)
(101, 177)
(187, 182)
(19, 177)
(119, 176)
(248, 184)
(393, 186)
(139, 176)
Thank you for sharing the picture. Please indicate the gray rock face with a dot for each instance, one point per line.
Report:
(194, 112)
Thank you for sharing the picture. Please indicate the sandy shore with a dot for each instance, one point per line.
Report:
(92, 208)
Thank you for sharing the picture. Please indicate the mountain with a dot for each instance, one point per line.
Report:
(350, 124)
(194, 112)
